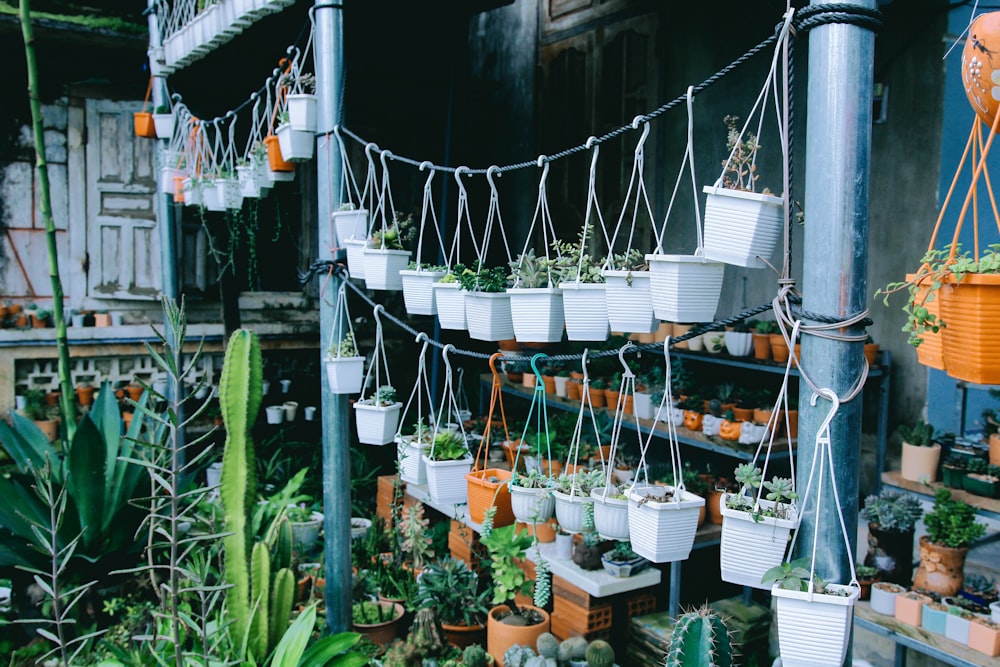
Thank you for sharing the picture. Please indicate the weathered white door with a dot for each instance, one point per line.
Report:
(122, 237)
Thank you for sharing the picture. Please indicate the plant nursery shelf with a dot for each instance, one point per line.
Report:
(988, 507)
(907, 636)
(757, 365)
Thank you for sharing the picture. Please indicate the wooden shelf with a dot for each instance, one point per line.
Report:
(988, 507)
(929, 643)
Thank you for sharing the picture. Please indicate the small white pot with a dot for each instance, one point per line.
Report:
(956, 628)
(813, 629)
(642, 405)
(291, 408)
(295, 145)
(345, 374)
(537, 314)
(302, 112)
(751, 433)
(570, 511)
(741, 228)
(310, 413)
(164, 125)
(383, 267)
(446, 481)
(629, 301)
(488, 315)
(564, 546)
(449, 301)
(531, 505)
(418, 297)
(213, 474)
(192, 192)
(561, 382)
(247, 175)
(883, 597)
(610, 516)
(356, 257)
(409, 458)
(995, 612)
(739, 343)
(586, 311)
(663, 532)
(749, 547)
(351, 224)
(275, 414)
(685, 288)
(376, 424)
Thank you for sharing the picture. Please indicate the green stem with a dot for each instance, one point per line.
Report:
(45, 204)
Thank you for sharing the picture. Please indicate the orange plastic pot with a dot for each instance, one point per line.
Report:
(971, 341)
(485, 493)
(143, 124)
(274, 158)
(930, 352)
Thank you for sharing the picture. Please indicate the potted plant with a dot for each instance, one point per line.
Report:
(755, 527)
(418, 296)
(295, 145)
(377, 620)
(410, 451)
(953, 470)
(345, 368)
(742, 226)
(587, 550)
(487, 303)
(867, 575)
(933, 617)
(350, 223)
(984, 636)
(982, 479)
(662, 521)
(884, 594)
(628, 293)
(415, 539)
(979, 589)
(572, 494)
(951, 529)
(610, 509)
(386, 256)
(622, 562)
(447, 461)
(891, 517)
(163, 121)
(910, 607)
(920, 453)
(450, 587)
(508, 622)
(814, 617)
(306, 523)
(536, 303)
(45, 416)
(377, 416)
(449, 300)
(531, 496)
(693, 407)
(762, 339)
(584, 306)
(956, 625)
(301, 101)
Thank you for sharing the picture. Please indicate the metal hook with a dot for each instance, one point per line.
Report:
(621, 357)
(430, 176)
(645, 133)
(583, 364)
(534, 365)
(421, 337)
(493, 360)
(371, 145)
(458, 176)
(831, 396)
(593, 160)
(543, 162)
(447, 362)
(489, 176)
(375, 311)
(427, 164)
(383, 156)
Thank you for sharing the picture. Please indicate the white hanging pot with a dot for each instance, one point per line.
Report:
(570, 510)
(164, 125)
(585, 310)
(167, 183)
(376, 424)
(685, 288)
(488, 315)
(663, 532)
(212, 196)
(352, 224)
(356, 257)
(260, 169)
(742, 228)
(192, 192)
(531, 505)
(537, 314)
(610, 516)
(449, 301)
(383, 267)
(247, 175)
(629, 301)
(642, 405)
(410, 460)
(813, 629)
(295, 145)
(739, 343)
(417, 294)
(278, 176)
(228, 191)
(750, 547)
(345, 374)
(302, 112)
(446, 481)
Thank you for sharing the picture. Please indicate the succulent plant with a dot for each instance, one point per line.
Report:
(574, 648)
(700, 638)
(517, 655)
(893, 510)
(475, 655)
(548, 645)
(600, 654)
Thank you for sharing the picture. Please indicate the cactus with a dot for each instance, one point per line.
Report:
(240, 392)
(281, 555)
(282, 600)
(475, 655)
(537, 661)
(517, 655)
(548, 645)
(574, 648)
(260, 582)
(600, 654)
(700, 638)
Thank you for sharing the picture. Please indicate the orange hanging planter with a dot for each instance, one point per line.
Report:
(488, 486)
(274, 158)
(143, 120)
(971, 339)
(930, 352)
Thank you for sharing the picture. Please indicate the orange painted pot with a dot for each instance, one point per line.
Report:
(971, 342)
(762, 346)
(779, 348)
(274, 158)
(142, 121)
(500, 636)
(692, 420)
(977, 65)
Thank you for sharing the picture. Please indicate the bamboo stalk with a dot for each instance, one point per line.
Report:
(45, 204)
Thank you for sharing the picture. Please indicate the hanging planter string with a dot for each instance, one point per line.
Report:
(344, 366)
(449, 297)
(384, 256)
(411, 448)
(629, 301)
(418, 296)
(377, 416)
(488, 487)
(531, 492)
(448, 460)
(684, 288)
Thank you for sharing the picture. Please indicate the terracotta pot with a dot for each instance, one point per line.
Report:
(920, 463)
(545, 531)
(743, 414)
(866, 587)
(972, 337)
(942, 569)
(596, 397)
(274, 157)
(52, 398)
(793, 424)
(554, 465)
(891, 552)
(611, 398)
(515, 377)
(508, 345)
(134, 391)
(871, 354)
(762, 346)
(464, 635)
(574, 390)
(15, 308)
(712, 506)
(382, 633)
(779, 348)
(500, 636)
(50, 428)
(995, 449)
(761, 415)
(38, 322)
(85, 394)
(679, 330)
(21, 320)
(550, 383)
(528, 380)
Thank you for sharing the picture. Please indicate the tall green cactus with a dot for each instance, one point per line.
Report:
(240, 394)
(282, 600)
(700, 639)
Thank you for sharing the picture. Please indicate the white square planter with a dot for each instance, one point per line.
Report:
(488, 315)
(750, 548)
(164, 125)
(350, 225)
(410, 461)
(383, 268)
(345, 374)
(302, 112)
(278, 176)
(356, 257)
(418, 297)
(295, 145)
(376, 424)
(642, 405)
(449, 301)
(685, 288)
(247, 175)
(212, 196)
(228, 192)
(585, 311)
(537, 314)
(663, 532)
(446, 481)
(192, 192)
(167, 183)
(610, 516)
(629, 301)
(814, 632)
(742, 228)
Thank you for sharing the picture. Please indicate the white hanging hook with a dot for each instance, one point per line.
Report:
(591, 143)
(621, 357)
(583, 364)
(447, 361)
(336, 129)
(422, 337)
(458, 176)
(543, 162)
(831, 396)
(430, 175)
(489, 176)
(369, 147)
(645, 132)
(427, 164)
(383, 156)
(690, 101)
(377, 311)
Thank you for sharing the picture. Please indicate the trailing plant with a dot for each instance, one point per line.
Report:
(951, 522)
(893, 510)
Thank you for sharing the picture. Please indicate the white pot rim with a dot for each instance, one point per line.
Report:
(338, 359)
(355, 242)
(681, 259)
(301, 96)
(839, 600)
(453, 462)
(441, 285)
(487, 295)
(688, 499)
(378, 408)
(534, 290)
(575, 498)
(353, 211)
(621, 273)
(573, 285)
(514, 488)
(386, 251)
(421, 272)
(741, 515)
(598, 496)
(742, 194)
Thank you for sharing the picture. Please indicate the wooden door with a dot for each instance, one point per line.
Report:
(123, 247)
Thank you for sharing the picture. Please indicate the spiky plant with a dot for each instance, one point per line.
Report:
(700, 639)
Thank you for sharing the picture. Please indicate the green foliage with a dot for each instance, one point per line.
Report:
(547, 645)
(479, 279)
(530, 272)
(474, 655)
(580, 482)
(416, 542)
(569, 262)
(699, 639)
(918, 434)
(794, 576)
(448, 445)
(448, 585)
(370, 612)
(951, 522)
(506, 546)
(740, 168)
(399, 233)
(893, 510)
(345, 348)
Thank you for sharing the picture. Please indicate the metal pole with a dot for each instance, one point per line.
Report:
(329, 44)
(164, 202)
(834, 281)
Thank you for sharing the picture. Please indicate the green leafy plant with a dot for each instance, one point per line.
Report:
(395, 236)
(952, 523)
(491, 280)
(449, 586)
(573, 262)
(580, 482)
(794, 576)
(384, 396)
(448, 445)
(506, 546)
(345, 348)
(892, 510)
(529, 271)
(918, 434)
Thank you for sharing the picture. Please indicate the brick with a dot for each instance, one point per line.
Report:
(580, 619)
(563, 629)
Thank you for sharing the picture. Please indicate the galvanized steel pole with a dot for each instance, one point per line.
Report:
(834, 281)
(328, 56)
